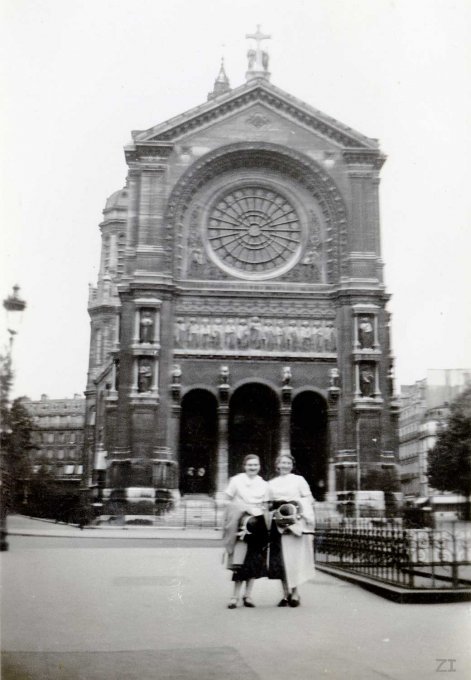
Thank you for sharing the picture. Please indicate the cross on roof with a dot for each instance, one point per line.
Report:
(258, 59)
(258, 36)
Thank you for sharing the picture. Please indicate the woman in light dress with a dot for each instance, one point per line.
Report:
(245, 531)
(291, 556)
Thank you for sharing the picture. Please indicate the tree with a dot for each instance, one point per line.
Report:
(19, 448)
(6, 378)
(449, 462)
(16, 429)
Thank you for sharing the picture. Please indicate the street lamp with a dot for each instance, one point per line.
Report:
(14, 307)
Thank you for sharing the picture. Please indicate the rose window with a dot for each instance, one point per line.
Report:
(254, 230)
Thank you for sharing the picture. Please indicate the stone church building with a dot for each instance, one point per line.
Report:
(240, 305)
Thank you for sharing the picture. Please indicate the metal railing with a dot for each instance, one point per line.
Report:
(410, 558)
(192, 514)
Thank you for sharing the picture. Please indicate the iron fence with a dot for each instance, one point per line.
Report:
(186, 514)
(410, 558)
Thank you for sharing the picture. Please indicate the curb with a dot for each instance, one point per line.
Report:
(398, 594)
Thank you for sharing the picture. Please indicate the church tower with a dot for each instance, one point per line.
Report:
(240, 304)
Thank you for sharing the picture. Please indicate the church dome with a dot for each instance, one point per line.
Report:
(117, 200)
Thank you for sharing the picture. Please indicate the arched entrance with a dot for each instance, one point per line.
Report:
(254, 416)
(198, 442)
(309, 440)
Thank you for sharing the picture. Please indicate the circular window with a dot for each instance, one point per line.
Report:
(253, 230)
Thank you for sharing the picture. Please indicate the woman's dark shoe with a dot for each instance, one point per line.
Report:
(232, 603)
(248, 602)
(283, 603)
(294, 601)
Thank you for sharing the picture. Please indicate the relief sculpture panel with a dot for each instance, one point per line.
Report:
(237, 334)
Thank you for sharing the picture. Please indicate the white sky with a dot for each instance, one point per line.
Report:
(79, 75)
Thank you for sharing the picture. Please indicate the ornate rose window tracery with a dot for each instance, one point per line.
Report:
(254, 231)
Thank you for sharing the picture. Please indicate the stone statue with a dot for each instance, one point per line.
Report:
(305, 336)
(391, 381)
(194, 334)
(280, 334)
(270, 335)
(230, 335)
(217, 334)
(365, 333)
(334, 378)
(292, 337)
(254, 332)
(196, 259)
(330, 337)
(146, 326)
(205, 333)
(116, 375)
(251, 54)
(243, 335)
(180, 333)
(224, 375)
(176, 374)
(287, 376)
(367, 382)
(316, 336)
(145, 375)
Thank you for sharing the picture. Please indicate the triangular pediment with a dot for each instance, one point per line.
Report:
(244, 97)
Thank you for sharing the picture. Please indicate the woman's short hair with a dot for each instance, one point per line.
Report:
(249, 457)
(284, 455)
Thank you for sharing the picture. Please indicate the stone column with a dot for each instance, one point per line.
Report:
(285, 427)
(332, 415)
(222, 467)
(222, 463)
(173, 440)
(285, 411)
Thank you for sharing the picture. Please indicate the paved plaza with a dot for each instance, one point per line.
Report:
(87, 608)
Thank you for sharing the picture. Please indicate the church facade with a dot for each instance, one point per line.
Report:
(240, 306)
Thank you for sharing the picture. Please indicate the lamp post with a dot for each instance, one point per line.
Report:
(14, 307)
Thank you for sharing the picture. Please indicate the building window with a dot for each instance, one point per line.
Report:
(253, 230)
(121, 246)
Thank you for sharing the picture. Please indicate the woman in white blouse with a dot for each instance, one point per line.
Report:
(291, 558)
(245, 530)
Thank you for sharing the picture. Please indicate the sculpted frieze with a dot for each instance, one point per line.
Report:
(254, 333)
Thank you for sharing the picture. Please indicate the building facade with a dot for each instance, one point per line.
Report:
(424, 410)
(240, 305)
(58, 437)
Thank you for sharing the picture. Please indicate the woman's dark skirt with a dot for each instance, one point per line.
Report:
(276, 565)
(255, 562)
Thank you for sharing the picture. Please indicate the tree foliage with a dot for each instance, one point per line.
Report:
(16, 444)
(449, 462)
(6, 379)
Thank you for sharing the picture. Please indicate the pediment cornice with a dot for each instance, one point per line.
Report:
(243, 97)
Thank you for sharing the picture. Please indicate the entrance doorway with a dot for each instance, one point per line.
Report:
(198, 442)
(309, 440)
(254, 417)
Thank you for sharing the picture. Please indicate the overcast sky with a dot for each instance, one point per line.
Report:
(81, 74)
